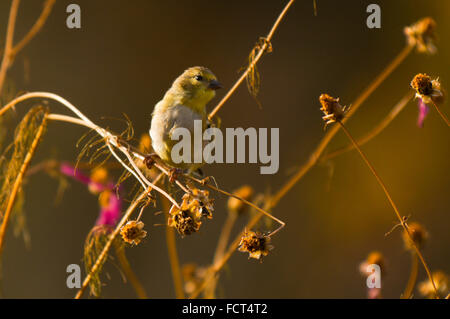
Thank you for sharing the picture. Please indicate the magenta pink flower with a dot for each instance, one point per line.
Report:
(423, 111)
(110, 203)
(110, 214)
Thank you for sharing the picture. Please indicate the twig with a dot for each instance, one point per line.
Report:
(112, 236)
(252, 65)
(85, 121)
(375, 131)
(391, 201)
(334, 129)
(444, 117)
(18, 181)
(37, 26)
(129, 273)
(210, 290)
(9, 42)
(262, 211)
(412, 276)
(10, 51)
(173, 255)
(217, 266)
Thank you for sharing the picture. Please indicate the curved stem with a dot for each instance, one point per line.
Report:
(18, 181)
(262, 211)
(217, 266)
(412, 277)
(375, 131)
(128, 271)
(173, 255)
(210, 290)
(7, 57)
(37, 26)
(101, 258)
(444, 117)
(334, 129)
(391, 201)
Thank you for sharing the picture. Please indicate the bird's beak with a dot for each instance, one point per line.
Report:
(214, 85)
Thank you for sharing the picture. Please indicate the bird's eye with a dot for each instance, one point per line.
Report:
(198, 77)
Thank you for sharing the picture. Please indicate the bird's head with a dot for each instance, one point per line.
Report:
(195, 87)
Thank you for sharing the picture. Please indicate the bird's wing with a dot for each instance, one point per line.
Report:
(181, 116)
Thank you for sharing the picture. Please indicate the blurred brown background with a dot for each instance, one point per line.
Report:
(125, 57)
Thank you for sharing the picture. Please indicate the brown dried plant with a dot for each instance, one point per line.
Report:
(187, 214)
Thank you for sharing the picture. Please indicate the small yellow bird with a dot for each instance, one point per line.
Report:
(182, 104)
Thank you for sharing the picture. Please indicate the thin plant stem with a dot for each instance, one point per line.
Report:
(129, 273)
(37, 26)
(217, 266)
(7, 58)
(273, 201)
(173, 255)
(18, 181)
(111, 139)
(412, 276)
(375, 131)
(391, 201)
(11, 50)
(220, 250)
(444, 117)
(263, 211)
(334, 129)
(102, 256)
(253, 63)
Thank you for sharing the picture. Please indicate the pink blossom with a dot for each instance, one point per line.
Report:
(423, 111)
(111, 208)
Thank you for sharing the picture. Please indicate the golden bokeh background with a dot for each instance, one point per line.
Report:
(124, 58)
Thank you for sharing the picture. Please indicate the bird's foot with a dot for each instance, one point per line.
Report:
(150, 160)
(174, 173)
(205, 180)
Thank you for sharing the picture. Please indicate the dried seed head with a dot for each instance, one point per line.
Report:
(422, 84)
(237, 206)
(418, 234)
(422, 35)
(442, 285)
(184, 221)
(334, 112)
(427, 89)
(188, 218)
(375, 257)
(132, 232)
(201, 198)
(255, 243)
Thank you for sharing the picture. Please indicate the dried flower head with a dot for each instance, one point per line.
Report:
(236, 205)
(427, 89)
(418, 234)
(375, 257)
(442, 285)
(422, 35)
(334, 112)
(193, 276)
(132, 232)
(201, 197)
(195, 206)
(255, 243)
